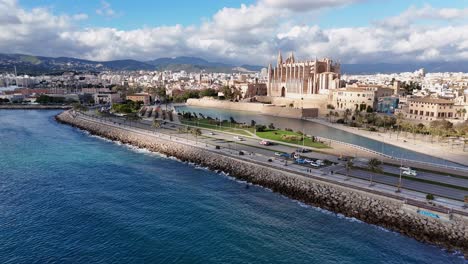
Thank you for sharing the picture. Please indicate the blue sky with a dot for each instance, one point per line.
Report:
(140, 13)
(248, 31)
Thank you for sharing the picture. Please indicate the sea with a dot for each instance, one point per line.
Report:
(69, 197)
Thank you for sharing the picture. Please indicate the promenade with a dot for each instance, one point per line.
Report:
(448, 198)
(421, 144)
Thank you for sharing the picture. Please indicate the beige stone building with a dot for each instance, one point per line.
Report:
(140, 97)
(428, 109)
(304, 79)
(354, 96)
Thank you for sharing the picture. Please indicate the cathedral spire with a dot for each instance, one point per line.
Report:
(280, 58)
(292, 59)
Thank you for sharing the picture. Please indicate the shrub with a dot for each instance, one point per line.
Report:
(260, 128)
(430, 197)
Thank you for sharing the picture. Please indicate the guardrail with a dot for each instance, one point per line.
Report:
(463, 169)
(409, 201)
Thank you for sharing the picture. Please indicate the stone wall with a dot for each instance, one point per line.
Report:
(265, 109)
(374, 209)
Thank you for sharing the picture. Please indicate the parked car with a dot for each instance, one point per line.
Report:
(315, 165)
(300, 161)
(343, 158)
(308, 160)
(320, 162)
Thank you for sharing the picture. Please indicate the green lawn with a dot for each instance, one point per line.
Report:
(241, 130)
(225, 126)
(276, 135)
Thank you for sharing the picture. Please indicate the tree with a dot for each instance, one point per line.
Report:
(271, 126)
(252, 123)
(156, 124)
(79, 107)
(369, 109)
(349, 166)
(374, 165)
(196, 132)
(346, 115)
(260, 128)
(209, 92)
(429, 197)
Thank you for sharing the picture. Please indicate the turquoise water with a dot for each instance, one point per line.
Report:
(69, 197)
(320, 130)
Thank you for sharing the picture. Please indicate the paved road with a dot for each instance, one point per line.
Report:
(253, 149)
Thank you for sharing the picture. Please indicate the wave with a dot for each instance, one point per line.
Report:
(228, 176)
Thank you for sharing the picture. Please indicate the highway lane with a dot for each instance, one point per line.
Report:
(431, 176)
(252, 146)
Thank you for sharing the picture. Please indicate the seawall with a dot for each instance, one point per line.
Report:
(375, 209)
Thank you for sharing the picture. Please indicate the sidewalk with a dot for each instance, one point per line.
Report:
(435, 149)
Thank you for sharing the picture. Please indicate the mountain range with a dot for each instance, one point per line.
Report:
(33, 65)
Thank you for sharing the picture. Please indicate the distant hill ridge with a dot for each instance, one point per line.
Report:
(29, 64)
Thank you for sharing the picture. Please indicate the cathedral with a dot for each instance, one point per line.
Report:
(304, 79)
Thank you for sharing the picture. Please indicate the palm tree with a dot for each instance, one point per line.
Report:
(346, 115)
(331, 115)
(400, 119)
(349, 166)
(374, 166)
(156, 124)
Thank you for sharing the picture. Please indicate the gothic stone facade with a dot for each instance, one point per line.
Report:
(305, 79)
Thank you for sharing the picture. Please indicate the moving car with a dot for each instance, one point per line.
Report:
(211, 133)
(278, 154)
(297, 156)
(410, 173)
(302, 150)
(238, 138)
(265, 143)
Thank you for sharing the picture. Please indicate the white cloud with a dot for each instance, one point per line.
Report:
(306, 5)
(248, 34)
(105, 9)
(426, 12)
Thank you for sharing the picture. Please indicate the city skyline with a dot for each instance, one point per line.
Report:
(238, 31)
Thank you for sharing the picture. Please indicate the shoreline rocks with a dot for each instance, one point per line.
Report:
(370, 208)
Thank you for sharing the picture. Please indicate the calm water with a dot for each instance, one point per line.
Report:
(318, 130)
(68, 197)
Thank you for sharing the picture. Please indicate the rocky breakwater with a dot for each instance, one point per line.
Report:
(374, 209)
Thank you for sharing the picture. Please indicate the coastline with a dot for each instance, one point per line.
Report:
(34, 107)
(372, 208)
(442, 152)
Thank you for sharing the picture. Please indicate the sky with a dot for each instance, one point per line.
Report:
(238, 31)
